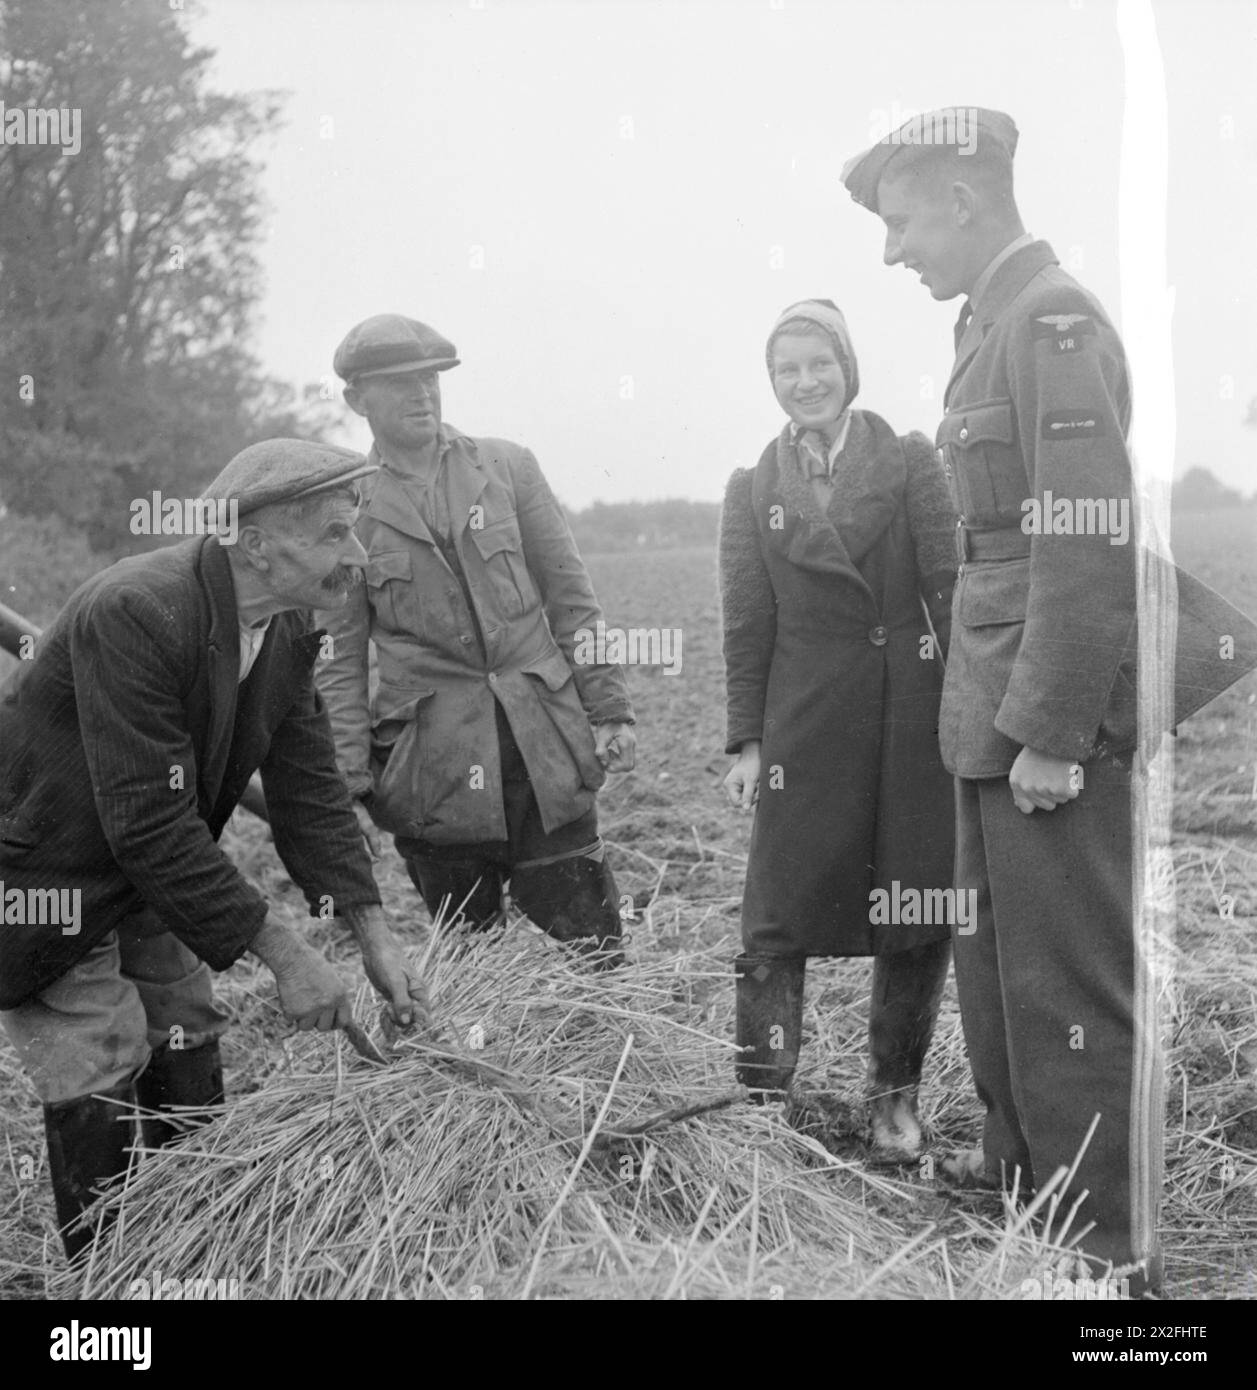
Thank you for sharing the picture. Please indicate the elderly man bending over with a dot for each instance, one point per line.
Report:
(125, 744)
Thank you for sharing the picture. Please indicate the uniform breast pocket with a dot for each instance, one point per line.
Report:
(501, 548)
(979, 444)
(393, 596)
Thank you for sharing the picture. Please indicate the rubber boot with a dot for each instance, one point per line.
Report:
(576, 902)
(768, 1010)
(89, 1141)
(178, 1076)
(903, 1008)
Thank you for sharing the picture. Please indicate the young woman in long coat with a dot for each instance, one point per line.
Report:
(833, 549)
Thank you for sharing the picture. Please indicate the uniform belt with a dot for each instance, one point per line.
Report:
(975, 544)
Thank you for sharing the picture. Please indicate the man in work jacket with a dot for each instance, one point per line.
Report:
(1039, 717)
(126, 742)
(489, 737)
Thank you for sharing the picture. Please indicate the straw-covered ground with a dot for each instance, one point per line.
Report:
(532, 1145)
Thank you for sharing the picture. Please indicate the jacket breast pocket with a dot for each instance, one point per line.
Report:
(501, 548)
(392, 592)
(980, 452)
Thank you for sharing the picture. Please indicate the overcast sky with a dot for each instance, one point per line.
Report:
(606, 203)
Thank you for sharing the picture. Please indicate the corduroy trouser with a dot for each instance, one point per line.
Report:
(98, 1024)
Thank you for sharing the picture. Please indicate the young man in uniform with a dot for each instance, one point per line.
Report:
(1039, 717)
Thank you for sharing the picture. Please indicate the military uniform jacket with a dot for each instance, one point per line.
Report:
(427, 749)
(126, 743)
(1044, 636)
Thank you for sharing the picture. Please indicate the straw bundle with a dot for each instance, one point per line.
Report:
(558, 1134)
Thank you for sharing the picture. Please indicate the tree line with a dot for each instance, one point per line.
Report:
(130, 280)
(129, 274)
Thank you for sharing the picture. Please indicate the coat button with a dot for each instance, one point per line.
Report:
(463, 638)
(964, 434)
(879, 636)
(493, 679)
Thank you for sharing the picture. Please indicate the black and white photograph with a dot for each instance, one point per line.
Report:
(628, 662)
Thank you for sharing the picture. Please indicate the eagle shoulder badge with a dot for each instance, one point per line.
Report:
(1065, 332)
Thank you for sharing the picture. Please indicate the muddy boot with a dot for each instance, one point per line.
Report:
(894, 1128)
(907, 989)
(576, 902)
(178, 1076)
(964, 1170)
(768, 1003)
(89, 1141)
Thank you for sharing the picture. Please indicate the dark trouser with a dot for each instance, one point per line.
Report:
(1057, 1018)
(559, 879)
(903, 1007)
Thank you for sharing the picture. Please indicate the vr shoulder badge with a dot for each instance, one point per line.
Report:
(1066, 332)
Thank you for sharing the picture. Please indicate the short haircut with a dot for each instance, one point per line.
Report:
(988, 169)
(285, 518)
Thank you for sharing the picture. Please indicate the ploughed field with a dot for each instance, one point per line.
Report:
(551, 1193)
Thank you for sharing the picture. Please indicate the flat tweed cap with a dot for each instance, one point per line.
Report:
(960, 128)
(280, 470)
(390, 343)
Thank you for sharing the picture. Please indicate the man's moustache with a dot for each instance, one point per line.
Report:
(343, 577)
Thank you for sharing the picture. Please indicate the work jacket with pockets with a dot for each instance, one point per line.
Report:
(426, 749)
(125, 744)
(1045, 638)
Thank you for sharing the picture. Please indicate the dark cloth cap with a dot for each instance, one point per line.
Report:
(390, 343)
(960, 128)
(280, 470)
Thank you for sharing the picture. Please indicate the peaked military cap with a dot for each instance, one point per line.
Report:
(952, 127)
(390, 343)
(281, 470)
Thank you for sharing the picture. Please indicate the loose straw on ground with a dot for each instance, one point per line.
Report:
(559, 1133)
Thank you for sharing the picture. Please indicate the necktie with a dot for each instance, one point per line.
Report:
(966, 313)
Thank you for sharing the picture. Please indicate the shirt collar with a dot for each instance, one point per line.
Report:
(981, 284)
(839, 440)
(446, 434)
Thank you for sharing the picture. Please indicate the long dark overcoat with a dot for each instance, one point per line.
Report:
(830, 663)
